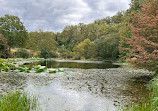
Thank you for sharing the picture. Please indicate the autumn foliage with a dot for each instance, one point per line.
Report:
(144, 40)
(4, 48)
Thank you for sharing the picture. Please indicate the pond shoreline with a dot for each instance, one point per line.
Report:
(115, 84)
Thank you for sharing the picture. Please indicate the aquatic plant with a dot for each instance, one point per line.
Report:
(52, 70)
(40, 68)
(61, 70)
(11, 65)
(5, 66)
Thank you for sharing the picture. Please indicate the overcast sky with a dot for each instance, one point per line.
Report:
(53, 15)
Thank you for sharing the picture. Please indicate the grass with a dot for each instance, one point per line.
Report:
(151, 104)
(146, 106)
(17, 101)
(153, 86)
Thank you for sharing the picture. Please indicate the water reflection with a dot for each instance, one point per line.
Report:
(74, 64)
(55, 98)
(82, 89)
(86, 89)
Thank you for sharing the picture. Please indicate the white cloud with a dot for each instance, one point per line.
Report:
(55, 14)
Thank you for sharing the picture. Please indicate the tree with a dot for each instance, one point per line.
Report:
(125, 30)
(13, 30)
(111, 43)
(72, 35)
(117, 18)
(86, 49)
(144, 39)
(42, 41)
(91, 51)
(67, 37)
(136, 4)
(107, 46)
(4, 48)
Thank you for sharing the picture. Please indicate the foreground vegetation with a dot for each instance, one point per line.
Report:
(150, 103)
(17, 101)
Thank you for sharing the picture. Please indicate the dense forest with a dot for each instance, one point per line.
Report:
(130, 35)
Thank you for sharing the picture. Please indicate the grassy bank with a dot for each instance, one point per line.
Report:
(151, 103)
(17, 101)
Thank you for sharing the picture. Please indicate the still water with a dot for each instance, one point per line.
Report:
(85, 86)
(77, 64)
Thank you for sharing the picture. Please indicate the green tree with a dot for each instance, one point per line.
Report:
(13, 30)
(125, 32)
(86, 49)
(91, 51)
(67, 37)
(72, 35)
(111, 43)
(42, 41)
(117, 18)
(107, 46)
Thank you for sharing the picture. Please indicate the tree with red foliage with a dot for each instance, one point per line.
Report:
(144, 40)
(4, 48)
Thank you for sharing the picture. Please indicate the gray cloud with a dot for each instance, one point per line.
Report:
(55, 14)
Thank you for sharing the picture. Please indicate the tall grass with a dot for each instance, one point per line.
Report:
(151, 104)
(153, 86)
(17, 101)
(146, 106)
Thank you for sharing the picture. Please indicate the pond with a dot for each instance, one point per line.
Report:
(76, 64)
(84, 86)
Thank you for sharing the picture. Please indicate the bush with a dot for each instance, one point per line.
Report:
(77, 57)
(45, 53)
(70, 55)
(64, 55)
(54, 55)
(21, 53)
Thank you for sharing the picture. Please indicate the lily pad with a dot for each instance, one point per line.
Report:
(40, 69)
(61, 70)
(52, 70)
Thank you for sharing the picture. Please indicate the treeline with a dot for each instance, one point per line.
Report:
(98, 40)
(131, 35)
(95, 40)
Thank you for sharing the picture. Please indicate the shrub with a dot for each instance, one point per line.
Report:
(21, 53)
(45, 53)
(54, 55)
(64, 55)
(70, 55)
(77, 57)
